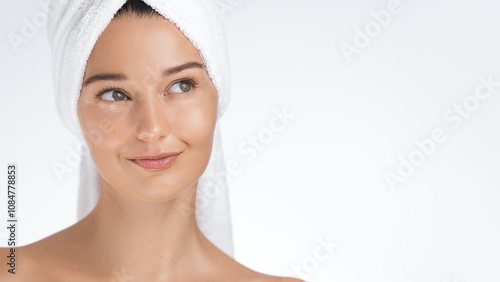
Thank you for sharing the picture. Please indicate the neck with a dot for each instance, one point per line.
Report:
(134, 237)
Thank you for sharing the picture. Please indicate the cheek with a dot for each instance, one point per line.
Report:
(103, 129)
(195, 126)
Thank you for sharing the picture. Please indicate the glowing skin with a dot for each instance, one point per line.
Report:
(143, 227)
(155, 116)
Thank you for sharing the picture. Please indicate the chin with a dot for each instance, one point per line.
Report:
(157, 189)
(154, 186)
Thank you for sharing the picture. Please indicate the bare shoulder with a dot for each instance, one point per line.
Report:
(289, 279)
(237, 272)
(258, 277)
(286, 279)
(268, 278)
(254, 276)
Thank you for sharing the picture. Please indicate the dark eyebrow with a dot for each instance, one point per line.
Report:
(121, 76)
(105, 76)
(180, 68)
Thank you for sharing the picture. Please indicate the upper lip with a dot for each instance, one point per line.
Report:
(155, 157)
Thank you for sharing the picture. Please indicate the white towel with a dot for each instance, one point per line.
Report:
(73, 28)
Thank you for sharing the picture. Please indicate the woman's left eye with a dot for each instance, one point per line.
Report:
(113, 95)
(181, 86)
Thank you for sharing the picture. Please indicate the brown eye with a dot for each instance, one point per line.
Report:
(114, 95)
(181, 86)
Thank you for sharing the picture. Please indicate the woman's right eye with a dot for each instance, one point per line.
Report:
(113, 95)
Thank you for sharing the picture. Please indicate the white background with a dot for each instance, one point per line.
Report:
(322, 175)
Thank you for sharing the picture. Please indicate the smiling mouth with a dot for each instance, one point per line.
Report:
(152, 163)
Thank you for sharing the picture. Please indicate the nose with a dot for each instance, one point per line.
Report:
(152, 123)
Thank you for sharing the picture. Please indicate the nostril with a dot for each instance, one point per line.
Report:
(151, 121)
(149, 133)
(150, 129)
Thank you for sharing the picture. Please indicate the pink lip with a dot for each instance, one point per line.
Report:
(156, 162)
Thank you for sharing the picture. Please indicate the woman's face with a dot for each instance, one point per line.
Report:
(138, 100)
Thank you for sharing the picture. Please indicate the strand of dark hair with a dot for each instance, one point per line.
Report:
(137, 8)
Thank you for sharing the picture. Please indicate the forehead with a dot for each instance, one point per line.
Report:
(136, 45)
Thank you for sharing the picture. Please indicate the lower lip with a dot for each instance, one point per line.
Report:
(157, 165)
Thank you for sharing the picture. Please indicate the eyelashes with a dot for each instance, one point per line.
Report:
(191, 80)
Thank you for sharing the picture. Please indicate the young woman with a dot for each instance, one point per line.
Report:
(149, 85)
